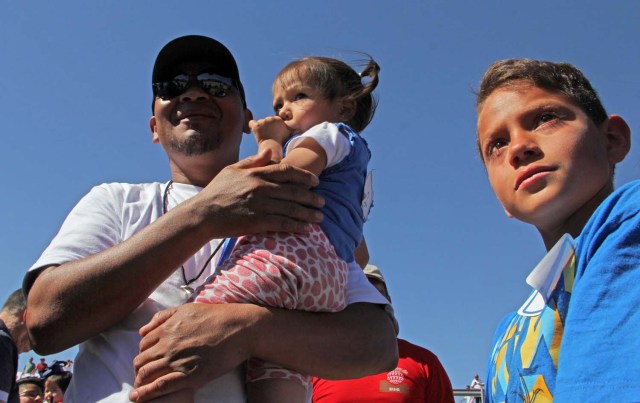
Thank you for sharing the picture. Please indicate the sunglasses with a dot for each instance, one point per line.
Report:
(214, 84)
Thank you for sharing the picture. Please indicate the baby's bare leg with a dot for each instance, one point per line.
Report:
(181, 396)
(276, 391)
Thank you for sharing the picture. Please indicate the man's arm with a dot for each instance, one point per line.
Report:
(179, 344)
(89, 295)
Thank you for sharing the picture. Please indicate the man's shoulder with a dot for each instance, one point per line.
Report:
(125, 187)
(8, 348)
(4, 331)
(128, 192)
(415, 351)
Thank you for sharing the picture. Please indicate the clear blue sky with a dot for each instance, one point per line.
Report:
(75, 101)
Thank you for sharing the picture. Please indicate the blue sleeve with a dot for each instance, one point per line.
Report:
(601, 342)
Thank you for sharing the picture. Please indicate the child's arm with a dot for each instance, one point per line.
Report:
(271, 132)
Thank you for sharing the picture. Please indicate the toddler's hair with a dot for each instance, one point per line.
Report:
(562, 78)
(336, 79)
(62, 379)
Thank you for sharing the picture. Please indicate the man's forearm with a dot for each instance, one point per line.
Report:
(87, 296)
(359, 341)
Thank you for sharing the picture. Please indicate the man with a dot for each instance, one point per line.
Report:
(13, 341)
(42, 367)
(29, 367)
(476, 383)
(418, 376)
(128, 251)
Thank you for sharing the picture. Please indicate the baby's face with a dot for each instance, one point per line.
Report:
(302, 106)
(544, 157)
(52, 392)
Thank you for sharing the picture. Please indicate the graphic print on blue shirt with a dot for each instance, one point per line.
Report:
(524, 360)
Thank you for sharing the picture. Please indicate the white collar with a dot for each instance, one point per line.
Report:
(546, 274)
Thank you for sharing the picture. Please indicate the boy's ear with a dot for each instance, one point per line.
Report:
(152, 127)
(618, 138)
(248, 116)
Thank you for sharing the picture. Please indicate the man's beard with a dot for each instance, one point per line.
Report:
(195, 144)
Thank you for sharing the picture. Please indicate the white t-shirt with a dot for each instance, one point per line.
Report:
(106, 216)
(476, 384)
(335, 144)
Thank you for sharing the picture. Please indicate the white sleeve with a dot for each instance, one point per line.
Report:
(92, 226)
(359, 289)
(335, 144)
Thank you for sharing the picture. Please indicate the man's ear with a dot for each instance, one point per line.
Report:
(154, 133)
(618, 138)
(248, 116)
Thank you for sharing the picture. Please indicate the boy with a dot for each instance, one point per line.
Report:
(550, 149)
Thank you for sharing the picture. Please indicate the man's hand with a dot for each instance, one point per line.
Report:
(180, 345)
(253, 196)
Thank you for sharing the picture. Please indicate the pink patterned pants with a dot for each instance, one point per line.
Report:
(281, 270)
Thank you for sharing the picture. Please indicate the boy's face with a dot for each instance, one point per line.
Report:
(546, 160)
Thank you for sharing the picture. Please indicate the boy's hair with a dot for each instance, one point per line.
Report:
(15, 304)
(336, 79)
(62, 379)
(36, 380)
(562, 78)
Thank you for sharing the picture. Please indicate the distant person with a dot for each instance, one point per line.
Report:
(42, 367)
(31, 389)
(128, 256)
(418, 376)
(56, 367)
(476, 383)
(55, 385)
(13, 341)
(550, 151)
(467, 399)
(29, 367)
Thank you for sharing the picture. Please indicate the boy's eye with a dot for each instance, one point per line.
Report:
(300, 95)
(495, 146)
(545, 118)
(277, 107)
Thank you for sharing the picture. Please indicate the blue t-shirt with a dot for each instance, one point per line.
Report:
(584, 343)
(342, 186)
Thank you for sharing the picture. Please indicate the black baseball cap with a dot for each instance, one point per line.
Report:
(196, 48)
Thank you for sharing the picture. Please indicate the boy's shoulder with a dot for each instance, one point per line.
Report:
(621, 205)
(613, 227)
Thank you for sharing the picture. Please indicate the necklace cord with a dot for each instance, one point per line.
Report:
(165, 208)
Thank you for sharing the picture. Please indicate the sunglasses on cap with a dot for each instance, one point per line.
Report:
(214, 84)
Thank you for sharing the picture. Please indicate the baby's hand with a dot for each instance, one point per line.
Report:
(270, 128)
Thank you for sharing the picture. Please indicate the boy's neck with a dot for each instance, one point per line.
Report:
(574, 224)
